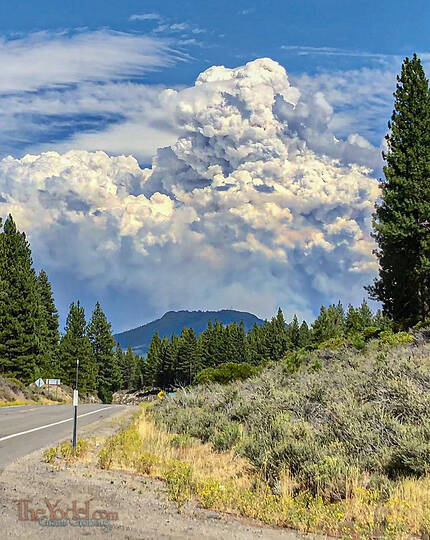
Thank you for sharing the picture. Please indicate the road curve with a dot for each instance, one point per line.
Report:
(30, 427)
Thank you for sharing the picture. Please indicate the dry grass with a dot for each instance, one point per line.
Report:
(225, 466)
(339, 447)
(16, 403)
(225, 482)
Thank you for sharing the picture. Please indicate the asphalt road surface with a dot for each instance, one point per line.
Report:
(30, 427)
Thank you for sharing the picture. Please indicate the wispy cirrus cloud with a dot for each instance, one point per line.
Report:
(302, 50)
(146, 17)
(46, 59)
(58, 86)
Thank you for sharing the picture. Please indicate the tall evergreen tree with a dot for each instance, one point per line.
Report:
(109, 373)
(76, 345)
(235, 343)
(294, 332)
(119, 354)
(402, 218)
(152, 363)
(277, 337)
(47, 327)
(208, 346)
(329, 324)
(19, 306)
(128, 368)
(166, 362)
(357, 319)
(258, 343)
(304, 335)
(188, 360)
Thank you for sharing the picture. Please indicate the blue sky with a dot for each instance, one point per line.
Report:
(97, 75)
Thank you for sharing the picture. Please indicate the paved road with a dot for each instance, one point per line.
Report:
(22, 429)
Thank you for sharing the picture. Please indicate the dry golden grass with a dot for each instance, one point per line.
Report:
(225, 482)
(206, 463)
(16, 403)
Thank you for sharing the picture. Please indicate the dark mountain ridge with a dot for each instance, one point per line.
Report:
(172, 322)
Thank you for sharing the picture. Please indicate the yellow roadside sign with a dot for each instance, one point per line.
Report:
(161, 394)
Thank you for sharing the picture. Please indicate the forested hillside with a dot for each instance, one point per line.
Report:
(173, 322)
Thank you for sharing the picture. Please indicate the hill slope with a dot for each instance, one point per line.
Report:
(172, 322)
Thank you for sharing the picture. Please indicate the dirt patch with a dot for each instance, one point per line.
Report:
(139, 503)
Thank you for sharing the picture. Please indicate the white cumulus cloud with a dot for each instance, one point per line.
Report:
(255, 205)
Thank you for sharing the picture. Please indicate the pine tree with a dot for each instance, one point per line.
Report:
(381, 321)
(109, 373)
(294, 332)
(188, 360)
(47, 327)
(235, 343)
(277, 337)
(208, 347)
(128, 368)
(258, 343)
(304, 335)
(353, 319)
(120, 363)
(19, 306)
(166, 360)
(366, 315)
(150, 375)
(329, 324)
(358, 319)
(402, 219)
(75, 345)
(137, 372)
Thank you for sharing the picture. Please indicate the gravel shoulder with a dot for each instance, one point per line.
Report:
(142, 508)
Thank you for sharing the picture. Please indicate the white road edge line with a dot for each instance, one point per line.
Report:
(50, 425)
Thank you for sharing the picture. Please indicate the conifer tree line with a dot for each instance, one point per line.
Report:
(30, 342)
(178, 360)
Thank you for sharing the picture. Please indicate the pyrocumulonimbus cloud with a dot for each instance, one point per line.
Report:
(255, 205)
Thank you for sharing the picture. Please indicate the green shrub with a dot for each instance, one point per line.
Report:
(329, 478)
(357, 340)
(293, 360)
(68, 453)
(333, 344)
(144, 462)
(105, 458)
(50, 454)
(372, 332)
(178, 476)
(361, 414)
(411, 457)
(225, 373)
(15, 382)
(226, 436)
(387, 337)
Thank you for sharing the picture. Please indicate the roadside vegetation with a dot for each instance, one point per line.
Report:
(66, 452)
(14, 392)
(337, 445)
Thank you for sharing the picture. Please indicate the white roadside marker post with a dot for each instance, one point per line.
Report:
(75, 405)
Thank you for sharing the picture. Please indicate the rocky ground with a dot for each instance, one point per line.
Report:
(139, 504)
(128, 397)
(12, 391)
